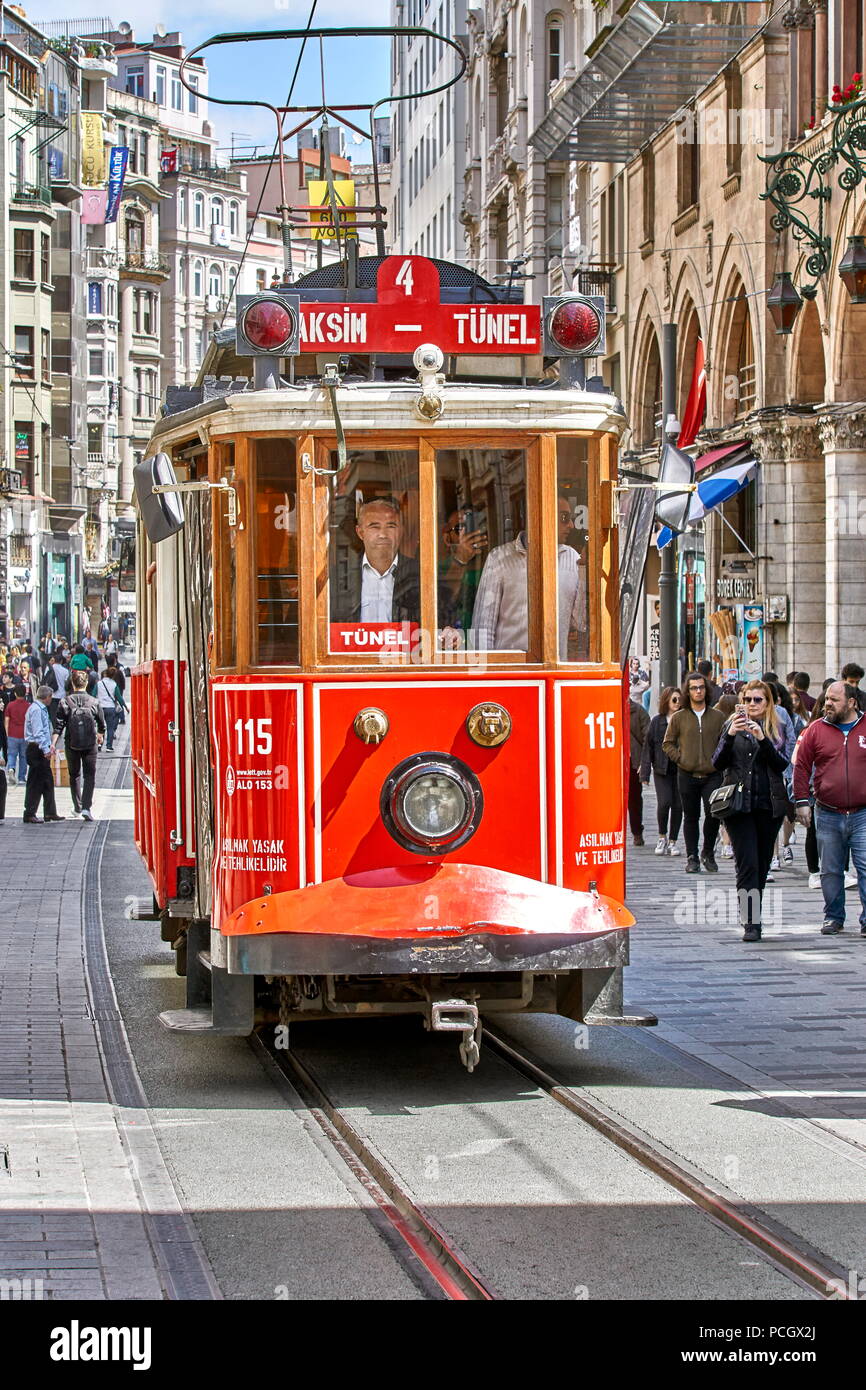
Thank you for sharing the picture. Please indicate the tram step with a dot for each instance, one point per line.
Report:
(198, 1020)
(204, 958)
(629, 1020)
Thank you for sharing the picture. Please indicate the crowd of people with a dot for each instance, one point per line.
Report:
(751, 761)
(57, 693)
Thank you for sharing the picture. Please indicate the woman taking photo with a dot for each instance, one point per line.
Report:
(669, 808)
(750, 753)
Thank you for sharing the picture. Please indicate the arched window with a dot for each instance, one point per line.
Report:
(134, 231)
(181, 276)
(217, 212)
(198, 211)
(181, 208)
(197, 279)
(554, 47)
(233, 218)
(215, 281)
(231, 278)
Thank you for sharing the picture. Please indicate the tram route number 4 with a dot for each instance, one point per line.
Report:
(254, 736)
(606, 730)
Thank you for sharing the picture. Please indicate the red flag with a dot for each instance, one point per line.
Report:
(697, 402)
(168, 161)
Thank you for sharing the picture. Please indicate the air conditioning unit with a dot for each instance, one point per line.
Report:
(219, 236)
(212, 304)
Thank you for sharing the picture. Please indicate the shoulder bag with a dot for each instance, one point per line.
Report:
(726, 800)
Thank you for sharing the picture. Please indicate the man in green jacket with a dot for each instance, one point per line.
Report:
(690, 741)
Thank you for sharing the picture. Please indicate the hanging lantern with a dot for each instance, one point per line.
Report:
(852, 269)
(783, 302)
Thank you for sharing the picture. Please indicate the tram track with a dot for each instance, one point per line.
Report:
(776, 1242)
(416, 1238)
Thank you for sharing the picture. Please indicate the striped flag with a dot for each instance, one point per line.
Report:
(697, 402)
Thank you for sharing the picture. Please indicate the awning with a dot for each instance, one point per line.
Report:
(639, 74)
(712, 492)
(725, 451)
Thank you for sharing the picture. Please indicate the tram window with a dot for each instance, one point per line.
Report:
(483, 583)
(277, 612)
(373, 562)
(572, 519)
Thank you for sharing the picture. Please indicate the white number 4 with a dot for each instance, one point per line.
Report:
(404, 277)
(258, 736)
(606, 730)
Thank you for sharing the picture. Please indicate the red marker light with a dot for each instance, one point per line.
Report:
(574, 326)
(268, 325)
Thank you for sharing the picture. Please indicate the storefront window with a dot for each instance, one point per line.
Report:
(572, 522)
(277, 596)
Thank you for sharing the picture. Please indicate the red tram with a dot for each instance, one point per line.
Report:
(377, 734)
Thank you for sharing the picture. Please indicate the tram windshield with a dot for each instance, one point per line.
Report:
(572, 566)
(276, 553)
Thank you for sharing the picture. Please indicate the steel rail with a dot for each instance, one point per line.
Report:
(781, 1245)
(424, 1240)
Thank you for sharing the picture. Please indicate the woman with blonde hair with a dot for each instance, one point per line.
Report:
(751, 754)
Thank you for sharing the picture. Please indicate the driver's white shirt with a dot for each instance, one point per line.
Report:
(377, 593)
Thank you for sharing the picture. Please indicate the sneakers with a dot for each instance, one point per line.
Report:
(832, 928)
(693, 866)
(673, 849)
(752, 934)
(814, 880)
(727, 852)
(787, 856)
(662, 845)
(638, 841)
(774, 863)
(850, 880)
(709, 864)
(86, 814)
(771, 877)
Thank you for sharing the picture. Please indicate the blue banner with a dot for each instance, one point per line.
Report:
(117, 162)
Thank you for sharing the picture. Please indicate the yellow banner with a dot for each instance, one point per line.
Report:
(92, 149)
(344, 191)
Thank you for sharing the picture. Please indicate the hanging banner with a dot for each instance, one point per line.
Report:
(168, 161)
(320, 208)
(92, 149)
(93, 205)
(117, 162)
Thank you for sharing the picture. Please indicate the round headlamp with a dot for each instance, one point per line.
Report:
(431, 803)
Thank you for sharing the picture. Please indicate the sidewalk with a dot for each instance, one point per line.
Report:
(786, 1014)
(81, 1179)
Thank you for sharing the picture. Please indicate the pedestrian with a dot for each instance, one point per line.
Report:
(751, 754)
(832, 756)
(57, 679)
(80, 660)
(638, 678)
(852, 674)
(40, 756)
(14, 720)
(799, 682)
(7, 687)
(82, 720)
(705, 668)
(111, 704)
(690, 741)
(669, 810)
(29, 679)
(109, 651)
(639, 722)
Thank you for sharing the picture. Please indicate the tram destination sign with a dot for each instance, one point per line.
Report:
(407, 312)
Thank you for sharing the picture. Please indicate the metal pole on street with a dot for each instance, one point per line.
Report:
(669, 643)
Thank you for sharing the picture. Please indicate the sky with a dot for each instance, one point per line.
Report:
(262, 70)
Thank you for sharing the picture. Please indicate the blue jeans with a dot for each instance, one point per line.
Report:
(111, 720)
(17, 758)
(837, 835)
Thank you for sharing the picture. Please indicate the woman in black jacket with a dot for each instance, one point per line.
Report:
(669, 808)
(749, 753)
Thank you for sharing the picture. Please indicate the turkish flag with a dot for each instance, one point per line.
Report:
(168, 161)
(697, 402)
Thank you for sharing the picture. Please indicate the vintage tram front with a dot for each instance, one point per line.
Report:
(378, 731)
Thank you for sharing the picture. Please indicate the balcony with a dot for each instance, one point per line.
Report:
(100, 474)
(212, 171)
(32, 193)
(599, 279)
(102, 258)
(146, 264)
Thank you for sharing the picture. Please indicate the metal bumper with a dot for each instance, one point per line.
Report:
(426, 920)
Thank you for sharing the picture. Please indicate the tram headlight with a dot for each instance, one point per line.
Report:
(431, 803)
(268, 325)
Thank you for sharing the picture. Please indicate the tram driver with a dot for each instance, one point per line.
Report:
(500, 619)
(383, 584)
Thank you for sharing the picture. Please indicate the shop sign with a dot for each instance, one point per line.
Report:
(736, 587)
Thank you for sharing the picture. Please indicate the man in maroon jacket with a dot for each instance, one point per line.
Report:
(831, 754)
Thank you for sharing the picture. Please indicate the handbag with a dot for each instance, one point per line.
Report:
(726, 800)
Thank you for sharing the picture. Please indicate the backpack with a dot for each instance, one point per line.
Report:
(81, 724)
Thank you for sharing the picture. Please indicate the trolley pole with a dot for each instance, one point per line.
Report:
(669, 637)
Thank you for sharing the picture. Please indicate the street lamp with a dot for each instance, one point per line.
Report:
(852, 269)
(783, 302)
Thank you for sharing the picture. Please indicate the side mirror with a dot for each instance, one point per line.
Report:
(162, 513)
(676, 471)
(126, 574)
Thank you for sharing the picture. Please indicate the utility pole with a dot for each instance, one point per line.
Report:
(669, 637)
